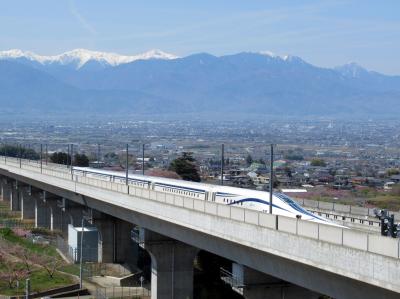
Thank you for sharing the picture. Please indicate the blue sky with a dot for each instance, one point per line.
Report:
(325, 33)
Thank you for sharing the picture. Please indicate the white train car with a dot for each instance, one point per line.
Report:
(246, 198)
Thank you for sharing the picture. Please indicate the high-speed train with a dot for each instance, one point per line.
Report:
(246, 198)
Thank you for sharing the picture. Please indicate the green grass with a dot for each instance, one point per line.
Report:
(71, 269)
(389, 202)
(40, 281)
(8, 235)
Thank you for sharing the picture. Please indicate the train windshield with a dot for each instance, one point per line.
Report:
(290, 202)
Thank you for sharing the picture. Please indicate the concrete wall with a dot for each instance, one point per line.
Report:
(284, 224)
(252, 238)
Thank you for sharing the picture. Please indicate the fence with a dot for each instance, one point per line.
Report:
(326, 233)
(89, 254)
(122, 292)
(15, 223)
(341, 208)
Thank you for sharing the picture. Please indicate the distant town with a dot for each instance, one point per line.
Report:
(352, 162)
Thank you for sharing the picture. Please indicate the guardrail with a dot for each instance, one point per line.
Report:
(331, 234)
(341, 208)
(345, 218)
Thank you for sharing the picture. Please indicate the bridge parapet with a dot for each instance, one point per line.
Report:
(335, 235)
(291, 249)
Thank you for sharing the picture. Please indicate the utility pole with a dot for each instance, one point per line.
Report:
(271, 178)
(222, 163)
(68, 155)
(27, 288)
(127, 164)
(143, 159)
(81, 255)
(41, 158)
(72, 154)
(98, 154)
(47, 153)
(20, 155)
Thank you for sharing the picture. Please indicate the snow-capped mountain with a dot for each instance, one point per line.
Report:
(352, 70)
(79, 57)
(82, 81)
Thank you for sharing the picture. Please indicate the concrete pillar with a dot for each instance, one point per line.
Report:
(15, 200)
(106, 227)
(70, 213)
(1, 188)
(6, 186)
(116, 245)
(126, 250)
(258, 285)
(42, 216)
(171, 266)
(27, 205)
(55, 214)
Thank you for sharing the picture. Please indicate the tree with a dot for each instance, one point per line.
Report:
(122, 160)
(318, 162)
(49, 263)
(293, 157)
(249, 159)
(288, 171)
(81, 160)
(392, 171)
(111, 158)
(60, 158)
(18, 151)
(25, 255)
(185, 167)
(12, 272)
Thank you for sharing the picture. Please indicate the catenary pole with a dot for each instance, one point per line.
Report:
(222, 163)
(41, 158)
(271, 178)
(72, 154)
(143, 159)
(127, 164)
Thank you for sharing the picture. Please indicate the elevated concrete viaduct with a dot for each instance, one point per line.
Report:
(318, 259)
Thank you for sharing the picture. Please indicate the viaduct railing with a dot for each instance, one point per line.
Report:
(373, 243)
(341, 208)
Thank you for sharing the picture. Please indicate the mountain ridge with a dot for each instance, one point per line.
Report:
(246, 82)
(81, 56)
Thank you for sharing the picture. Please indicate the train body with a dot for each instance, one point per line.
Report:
(246, 198)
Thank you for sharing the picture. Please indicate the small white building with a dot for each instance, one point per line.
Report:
(90, 248)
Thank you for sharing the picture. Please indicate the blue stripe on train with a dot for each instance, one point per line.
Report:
(256, 200)
(179, 188)
(291, 203)
(273, 205)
